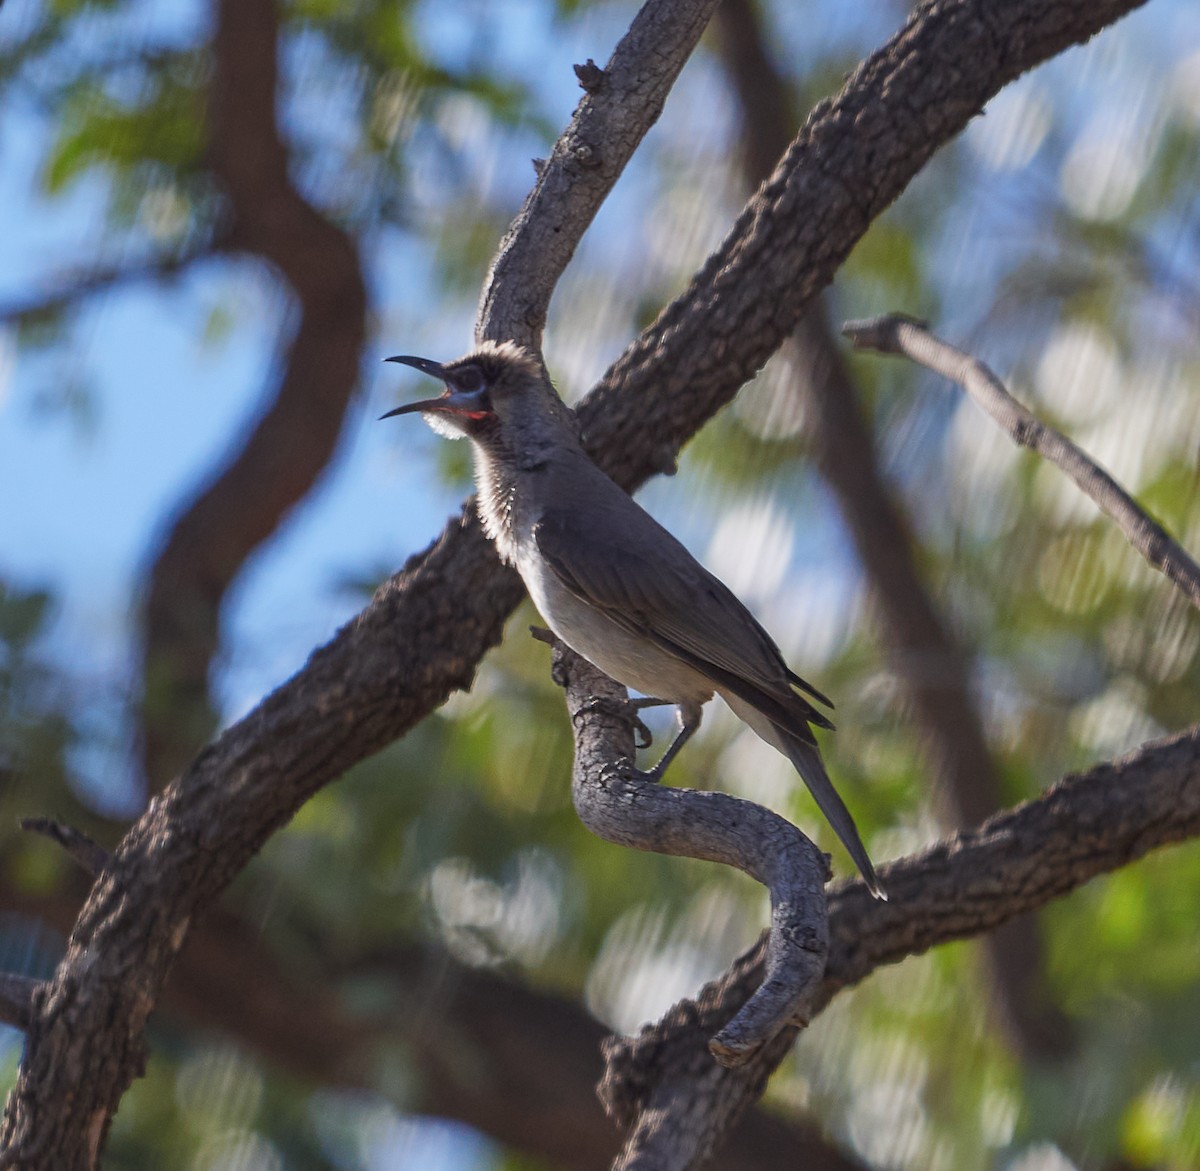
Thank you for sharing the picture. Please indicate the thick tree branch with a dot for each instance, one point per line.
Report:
(248, 497)
(425, 631)
(1085, 826)
(933, 668)
(468, 1032)
(852, 158)
(897, 334)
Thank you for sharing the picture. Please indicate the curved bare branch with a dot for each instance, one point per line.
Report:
(629, 810)
(620, 104)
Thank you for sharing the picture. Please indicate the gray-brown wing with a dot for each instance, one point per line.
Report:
(627, 565)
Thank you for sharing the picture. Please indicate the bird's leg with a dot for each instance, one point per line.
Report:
(637, 705)
(689, 720)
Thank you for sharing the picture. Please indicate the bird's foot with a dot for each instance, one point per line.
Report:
(624, 709)
(621, 769)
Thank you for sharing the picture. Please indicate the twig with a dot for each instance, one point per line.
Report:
(897, 334)
(73, 287)
(91, 856)
(16, 998)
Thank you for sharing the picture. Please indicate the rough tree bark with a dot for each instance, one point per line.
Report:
(425, 631)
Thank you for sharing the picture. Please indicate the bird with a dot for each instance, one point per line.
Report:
(609, 580)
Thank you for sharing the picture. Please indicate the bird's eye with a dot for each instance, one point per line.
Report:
(469, 378)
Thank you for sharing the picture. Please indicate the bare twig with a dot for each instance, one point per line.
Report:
(620, 806)
(91, 856)
(16, 999)
(897, 334)
(71, 288)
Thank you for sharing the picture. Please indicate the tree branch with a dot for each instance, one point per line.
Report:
(664, 1081)
(897, 334)
(853, 157)
(90, 855)
(425, 631)
(248, 497)
(620, 104)
(73, 287)
(618, 805)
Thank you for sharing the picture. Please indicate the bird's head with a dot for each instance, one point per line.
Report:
(496, 395)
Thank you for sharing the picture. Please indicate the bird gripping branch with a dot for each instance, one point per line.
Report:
(609, 580)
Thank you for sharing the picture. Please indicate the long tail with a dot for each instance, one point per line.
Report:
(807, 759)
(811, 767)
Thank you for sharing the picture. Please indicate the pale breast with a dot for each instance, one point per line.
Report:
(628, 658)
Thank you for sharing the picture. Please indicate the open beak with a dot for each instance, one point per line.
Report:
(452, 402)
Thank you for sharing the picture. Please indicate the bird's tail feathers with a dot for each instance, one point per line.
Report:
(811, 767)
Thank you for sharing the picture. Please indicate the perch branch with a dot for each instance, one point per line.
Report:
(616, 804)
(898, 334)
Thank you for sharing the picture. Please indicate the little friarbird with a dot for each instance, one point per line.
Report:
(610, 581)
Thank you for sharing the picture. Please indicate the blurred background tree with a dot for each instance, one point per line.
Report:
(228, 212)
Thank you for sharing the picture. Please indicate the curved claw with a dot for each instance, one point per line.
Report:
(624, 709)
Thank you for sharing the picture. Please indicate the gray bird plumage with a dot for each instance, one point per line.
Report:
(610, 581)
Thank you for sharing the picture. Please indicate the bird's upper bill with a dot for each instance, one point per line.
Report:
(465, 395)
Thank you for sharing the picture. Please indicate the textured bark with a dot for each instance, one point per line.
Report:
(622, 102)
(666, 1086)
(623, 806)
(423, 634)
(853, 157)
(925, 656)
(248, 497)
(516, 1063)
